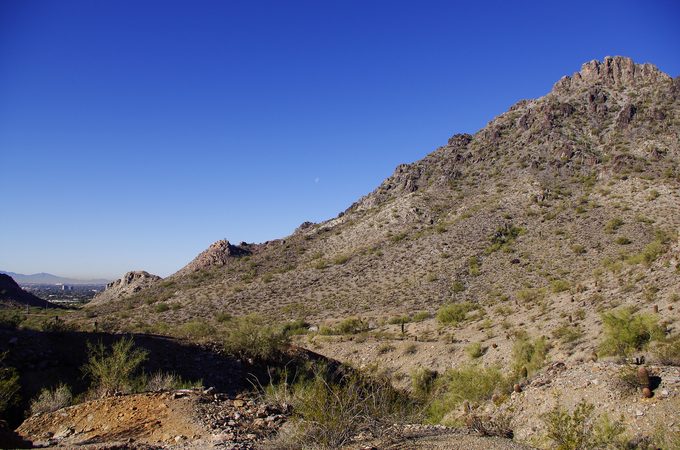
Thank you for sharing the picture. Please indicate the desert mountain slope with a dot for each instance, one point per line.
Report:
(558, 198)
(12, 295)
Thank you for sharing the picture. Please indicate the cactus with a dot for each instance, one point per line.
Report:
(646, 392)
(656, 309)
(643, 377)
(517, 388)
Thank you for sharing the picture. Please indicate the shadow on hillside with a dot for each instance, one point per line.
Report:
(45, 359)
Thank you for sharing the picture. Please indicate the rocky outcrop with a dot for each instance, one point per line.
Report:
(130, 283)
(612, 71)
(11, 295)
(217, 255)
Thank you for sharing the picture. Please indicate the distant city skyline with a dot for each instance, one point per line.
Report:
(133, 134)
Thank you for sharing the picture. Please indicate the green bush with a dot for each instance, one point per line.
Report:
(529, 354)
(396, 320)
(161, 307)
(613, 225)
(250, 337)
(626, 332)
(50, 400)
(421, 315)
(112, 371)
(455, 313)
(351, 325)
(475, 350)
(580, 430)
(422, 381)
(557, 286)
(295, 327)
(469, 383)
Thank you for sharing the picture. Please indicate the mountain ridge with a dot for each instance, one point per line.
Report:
(422, 238)
(48, 278)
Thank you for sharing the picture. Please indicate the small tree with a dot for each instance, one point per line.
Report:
(112, 371)
(626, 332)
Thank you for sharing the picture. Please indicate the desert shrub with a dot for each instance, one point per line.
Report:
(580, 430)
(410, 349)
(503, 238)
(626, 332)
(161, 307)
(457, 286)
(652, 250)
(474, 266)
(532, 354)
(195, 329)
(9, 386)
(351, 325)
(56, 325)
(164, 381)
(385, 348)
(223, 317)
(341, 259)
(469, 383)
(422, 381)
(421, 315)
(328, 413)
(668, 351)
(613, 225)
(250, 337)
(622, 240)
(626, 380)
(530, 295)
(567, 334)
(557, 286)
(475, 350)
(10, 319)
(295, 327)
(454, 313)
(50, 400)
(396, 320)
(112, 371)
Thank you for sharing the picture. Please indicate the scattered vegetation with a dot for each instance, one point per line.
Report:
(9, 386)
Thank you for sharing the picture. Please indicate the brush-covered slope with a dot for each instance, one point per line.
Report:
(572, 194)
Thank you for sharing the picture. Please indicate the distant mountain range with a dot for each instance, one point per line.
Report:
(48, 278)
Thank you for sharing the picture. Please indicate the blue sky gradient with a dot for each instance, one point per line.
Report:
(135, 133)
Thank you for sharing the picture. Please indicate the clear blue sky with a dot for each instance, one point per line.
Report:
(135, 133)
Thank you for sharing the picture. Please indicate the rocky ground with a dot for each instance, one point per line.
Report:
(179, 419)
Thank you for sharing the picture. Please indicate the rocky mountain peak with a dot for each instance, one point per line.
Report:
(125, 286)
(613, 71)
(218, 254)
